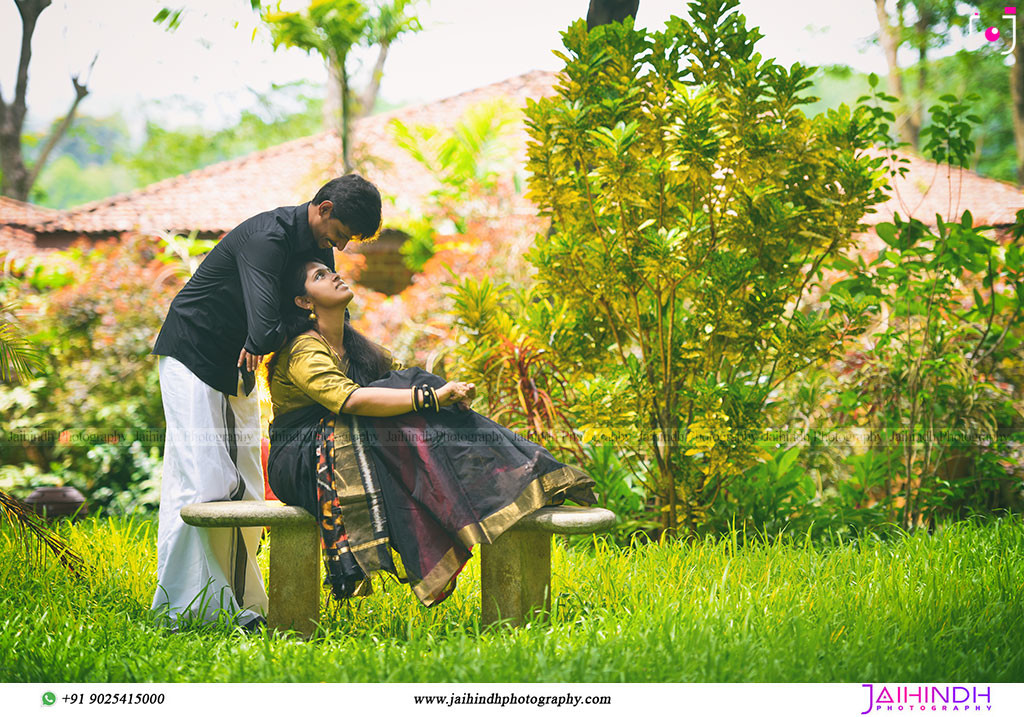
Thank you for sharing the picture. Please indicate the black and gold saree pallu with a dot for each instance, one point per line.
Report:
(428, 486)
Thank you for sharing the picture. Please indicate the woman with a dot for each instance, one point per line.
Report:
(389, 457)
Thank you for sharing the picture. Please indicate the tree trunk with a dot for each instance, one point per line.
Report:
(890, 45)
(12, 163)
(16, 181)
(12, 116)
(1017, 99)
(602, 12)
(332, 100)
(369, 96)
(917, 119)
(336, 106)
(346, 115)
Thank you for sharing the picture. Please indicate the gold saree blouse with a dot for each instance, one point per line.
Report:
(308, 372)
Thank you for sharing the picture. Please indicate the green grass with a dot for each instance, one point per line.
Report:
(916, 609)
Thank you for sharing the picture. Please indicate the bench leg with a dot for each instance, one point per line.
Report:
(515, 576)
(294, 578)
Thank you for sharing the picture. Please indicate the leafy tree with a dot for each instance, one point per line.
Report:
(949, 299)
(1011, 33)
(16, 179)
(390, 21)
(923, 25)
(331, 28)
(983, 73)
(693, 203)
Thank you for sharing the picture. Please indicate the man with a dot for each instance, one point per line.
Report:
(218, 328)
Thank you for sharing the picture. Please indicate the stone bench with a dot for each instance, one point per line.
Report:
(515, 571)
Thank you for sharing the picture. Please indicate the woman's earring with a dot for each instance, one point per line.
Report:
(312, 314)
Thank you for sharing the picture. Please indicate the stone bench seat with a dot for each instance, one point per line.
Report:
(515, 571)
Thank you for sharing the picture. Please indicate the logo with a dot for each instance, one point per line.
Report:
(948, 698)
(49, 698)
(992, 33)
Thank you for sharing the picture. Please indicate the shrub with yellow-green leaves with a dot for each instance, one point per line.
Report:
(692, 203)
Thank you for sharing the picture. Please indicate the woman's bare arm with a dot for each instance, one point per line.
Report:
(378, 402)
(372, 401)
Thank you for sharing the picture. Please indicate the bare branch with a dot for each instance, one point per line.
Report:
(81, 91)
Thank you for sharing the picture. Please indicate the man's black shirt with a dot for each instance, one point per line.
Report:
(231, 301)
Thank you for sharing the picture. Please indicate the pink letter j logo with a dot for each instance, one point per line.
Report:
(992, 33)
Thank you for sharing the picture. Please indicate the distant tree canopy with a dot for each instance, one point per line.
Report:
(331, 28)
(925, 25)
(98, 158)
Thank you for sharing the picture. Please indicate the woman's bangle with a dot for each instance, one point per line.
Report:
(425, 397)
(428, 398)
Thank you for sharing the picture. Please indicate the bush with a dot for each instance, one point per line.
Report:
(692, 202)
(94, 417)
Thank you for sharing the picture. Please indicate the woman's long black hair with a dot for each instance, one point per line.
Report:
(366, 361)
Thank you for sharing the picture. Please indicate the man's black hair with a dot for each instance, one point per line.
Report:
(356, 203)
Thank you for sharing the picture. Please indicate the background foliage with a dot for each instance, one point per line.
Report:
(93, 418)
(705, 298)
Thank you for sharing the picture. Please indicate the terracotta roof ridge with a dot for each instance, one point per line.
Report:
(912, 153)
(209, 169)
(26, 205)
(16, 213)
(277, 149)
(390, 114)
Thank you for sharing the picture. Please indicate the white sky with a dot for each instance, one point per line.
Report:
(212, 59)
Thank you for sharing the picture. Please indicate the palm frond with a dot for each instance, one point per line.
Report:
(27, 522)
(18, 357)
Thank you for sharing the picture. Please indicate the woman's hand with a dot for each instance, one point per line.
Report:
(456, 392)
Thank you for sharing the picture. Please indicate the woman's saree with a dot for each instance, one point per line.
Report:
(428, 485)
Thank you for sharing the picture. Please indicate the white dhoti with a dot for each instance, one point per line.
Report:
(211, 452)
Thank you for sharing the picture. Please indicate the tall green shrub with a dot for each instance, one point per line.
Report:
(692, 203)
(948, 295)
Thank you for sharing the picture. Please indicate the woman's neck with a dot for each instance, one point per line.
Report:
(331, 326)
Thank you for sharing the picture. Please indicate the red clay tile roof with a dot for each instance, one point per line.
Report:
(16, 242)
(929, 189)
(18, 220)
(23, 214)
(216, 198)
